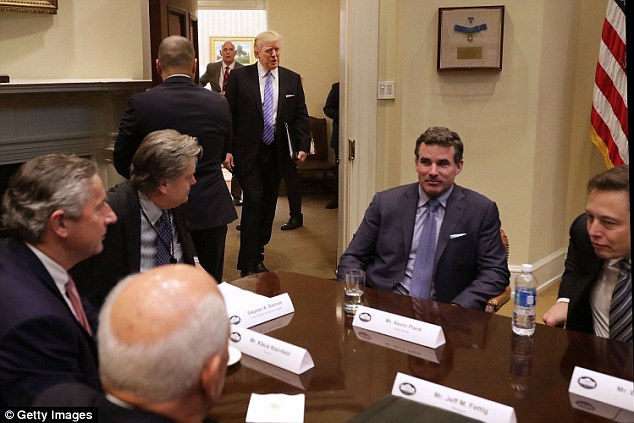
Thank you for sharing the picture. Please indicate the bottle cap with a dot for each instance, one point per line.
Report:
(527, 267)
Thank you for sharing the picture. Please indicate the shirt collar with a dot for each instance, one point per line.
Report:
(178, 74)
(262, 71)
(152, 211)
(57, 272)
(423, 198)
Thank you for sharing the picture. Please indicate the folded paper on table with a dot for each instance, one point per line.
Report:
(274, 324)
(599, 408)
(400, 327)
(453, 400)
(248, 309)
(603, 388)
(267, 408)
(299, 381)
(426, 353)
(271, 350)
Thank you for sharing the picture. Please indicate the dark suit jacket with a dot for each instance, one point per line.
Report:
(121, 255)
(41, 342)
(78, 395)
(243, 95)
(331, 109)
(581, 270)
(212, 75)
(178, 103)
(470, 266)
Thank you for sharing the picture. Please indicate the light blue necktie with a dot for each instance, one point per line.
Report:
(425, 251)
(267, 109)
(621, 305)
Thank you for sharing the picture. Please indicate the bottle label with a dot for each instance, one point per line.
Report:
(525, 298)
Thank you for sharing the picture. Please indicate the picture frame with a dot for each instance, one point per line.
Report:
(244, 48)
(470, 38)
(31, 6)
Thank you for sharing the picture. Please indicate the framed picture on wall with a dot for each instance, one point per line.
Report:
(470, 38)
(31, 6)
(244, 48)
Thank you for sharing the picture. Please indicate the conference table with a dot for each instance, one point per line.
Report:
(481, 357)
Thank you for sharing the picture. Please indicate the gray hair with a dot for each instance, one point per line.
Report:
(176, 51)
(165, 369)
(163, 154)
(41, 186)
(265, 37)
(437, 135)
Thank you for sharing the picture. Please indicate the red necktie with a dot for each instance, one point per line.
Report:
(73, 296)
(225, 77)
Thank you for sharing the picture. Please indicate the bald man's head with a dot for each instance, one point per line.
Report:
(159, 330)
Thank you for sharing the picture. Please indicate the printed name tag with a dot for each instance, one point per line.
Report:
(299, 381)
(400, 327)
(429, 354)
(603, 388)
(248, 309)
(271, 350)
(452, 400)
(602, 409)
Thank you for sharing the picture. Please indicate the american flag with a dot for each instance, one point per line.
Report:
(609, 102)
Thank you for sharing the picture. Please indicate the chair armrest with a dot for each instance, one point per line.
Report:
(496, 303)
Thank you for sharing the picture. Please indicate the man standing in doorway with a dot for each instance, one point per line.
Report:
(217, 75)
(270, 133)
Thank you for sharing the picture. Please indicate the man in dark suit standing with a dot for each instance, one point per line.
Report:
(151, 229)
(158, 364)
(270, 131)
(595, 294)
(432, 239)
(56, 212)
(217, 75)
(331, 109)
(180, 104)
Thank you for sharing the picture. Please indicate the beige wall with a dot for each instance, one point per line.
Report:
(525, 128)
(310, 46)
(85, 40)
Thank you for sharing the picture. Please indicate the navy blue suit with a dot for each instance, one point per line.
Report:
(581, 271)
(470, 264)
(41, 342)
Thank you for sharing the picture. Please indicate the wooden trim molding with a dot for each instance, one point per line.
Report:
(31, 6)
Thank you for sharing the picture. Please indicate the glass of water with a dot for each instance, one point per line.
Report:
(354, 285)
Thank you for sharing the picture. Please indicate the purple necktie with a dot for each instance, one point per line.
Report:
(423, 271)
(267, 109)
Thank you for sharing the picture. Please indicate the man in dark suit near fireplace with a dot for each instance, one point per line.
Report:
(181, 104)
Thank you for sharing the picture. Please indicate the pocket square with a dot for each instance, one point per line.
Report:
(454, 236)
(290, 95)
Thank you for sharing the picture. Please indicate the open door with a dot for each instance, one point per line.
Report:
(172, 17)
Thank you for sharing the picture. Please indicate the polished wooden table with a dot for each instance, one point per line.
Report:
(481, 357)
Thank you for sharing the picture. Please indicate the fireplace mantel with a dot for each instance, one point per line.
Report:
(70, 116)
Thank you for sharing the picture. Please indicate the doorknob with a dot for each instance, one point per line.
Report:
(351, 149)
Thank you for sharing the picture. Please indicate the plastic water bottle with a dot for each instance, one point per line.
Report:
(525, 300)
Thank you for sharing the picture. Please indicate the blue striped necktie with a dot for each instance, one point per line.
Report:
(423, 271)
(267, 109)
(621, 305)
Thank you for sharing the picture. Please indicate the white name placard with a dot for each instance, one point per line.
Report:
(273, 351)
(452, 400)
(602, 409)
(299, 381)
(274, 324)
(429, 354)
(603, 388)
(412, 330)
(248, 309)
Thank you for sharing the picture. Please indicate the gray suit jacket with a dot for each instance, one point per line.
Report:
(470, 263)
(212, 75)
